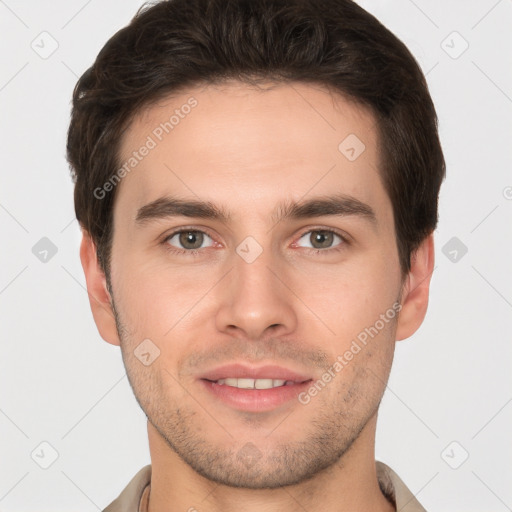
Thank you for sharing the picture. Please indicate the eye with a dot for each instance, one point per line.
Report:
(321, 239)
(189, 240)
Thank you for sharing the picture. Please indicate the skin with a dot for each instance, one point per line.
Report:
(247, 150)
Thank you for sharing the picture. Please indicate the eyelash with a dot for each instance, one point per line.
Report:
(196, 252)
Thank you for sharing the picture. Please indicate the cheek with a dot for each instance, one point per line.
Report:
(155, 300)
(351, 295)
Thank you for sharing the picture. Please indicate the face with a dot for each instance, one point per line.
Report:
(255, 278)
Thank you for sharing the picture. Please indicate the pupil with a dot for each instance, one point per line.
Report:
(324, 238)
(191, 237)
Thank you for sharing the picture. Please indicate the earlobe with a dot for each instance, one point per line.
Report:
(99, 297)
(416, 290)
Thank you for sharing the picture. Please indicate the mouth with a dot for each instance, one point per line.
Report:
(247, 383)
(254, 389)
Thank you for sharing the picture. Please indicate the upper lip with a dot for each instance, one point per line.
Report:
(241, 371)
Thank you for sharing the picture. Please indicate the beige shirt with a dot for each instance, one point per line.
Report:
(135, 496)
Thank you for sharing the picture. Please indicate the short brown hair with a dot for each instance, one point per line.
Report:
(176, 44)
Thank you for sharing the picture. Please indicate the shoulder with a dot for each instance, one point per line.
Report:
(129, 499)
(396, 491)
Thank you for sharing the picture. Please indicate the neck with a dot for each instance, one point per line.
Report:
(349, 485)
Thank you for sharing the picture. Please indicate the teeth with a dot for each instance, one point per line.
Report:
(253, 383)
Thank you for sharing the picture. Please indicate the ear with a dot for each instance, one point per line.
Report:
(415, 290)
(99, 297)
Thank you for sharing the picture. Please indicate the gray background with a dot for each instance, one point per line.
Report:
(446, 418)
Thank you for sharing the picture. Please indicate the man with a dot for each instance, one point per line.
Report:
(257, 185)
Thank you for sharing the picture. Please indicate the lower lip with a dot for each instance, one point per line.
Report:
(255, 400)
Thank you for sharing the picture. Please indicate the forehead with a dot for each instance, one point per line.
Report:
(247, 148)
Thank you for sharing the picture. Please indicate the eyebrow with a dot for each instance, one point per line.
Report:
(339, 205)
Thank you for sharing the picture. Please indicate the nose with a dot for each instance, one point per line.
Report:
(256, 301)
